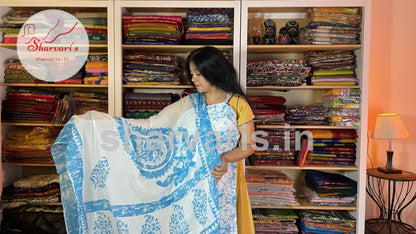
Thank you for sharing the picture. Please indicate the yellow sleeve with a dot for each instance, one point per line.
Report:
(241, 108)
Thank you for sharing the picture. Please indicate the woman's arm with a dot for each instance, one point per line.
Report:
(242, 151)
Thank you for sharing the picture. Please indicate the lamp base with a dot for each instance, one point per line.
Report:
(389, 171)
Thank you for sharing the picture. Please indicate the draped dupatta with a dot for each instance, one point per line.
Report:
(121, 176)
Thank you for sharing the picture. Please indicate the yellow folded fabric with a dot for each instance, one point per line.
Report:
(340, 72)
(95, 26)
(209, 29)
(341, 10)
(340, 83)
(98, 64)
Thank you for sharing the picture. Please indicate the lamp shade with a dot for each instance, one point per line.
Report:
(389, 127)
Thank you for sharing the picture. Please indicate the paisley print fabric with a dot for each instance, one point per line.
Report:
(118, 176)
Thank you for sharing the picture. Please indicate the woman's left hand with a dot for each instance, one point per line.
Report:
(218, 172)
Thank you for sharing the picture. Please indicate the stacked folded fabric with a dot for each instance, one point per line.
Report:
(332, 25)
(326, 199)
(275, 148)
(15, 72)
(151, 69)
(343, 106)
(326, 222)
(29, 145)
(307, 115)
(152, 30)
(12, 22)
(89, 100)
(270, 188)
(95, 23)
(332, 189)
(34, 189)
(339, 77)
(209, 26)
(288, 72)
(332, 67)
(330, 147)
(96, 69)
(22, 212)
(77, 78)
(29, 105)
(144, 105)
(268, 109)
(274, 221)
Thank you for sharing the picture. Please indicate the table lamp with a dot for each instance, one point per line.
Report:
(390, 127)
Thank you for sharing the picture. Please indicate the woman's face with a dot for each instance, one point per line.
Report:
(201, 84)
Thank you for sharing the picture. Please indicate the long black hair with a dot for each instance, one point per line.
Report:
(215, 68)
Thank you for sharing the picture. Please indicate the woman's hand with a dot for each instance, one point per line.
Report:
(218, 172)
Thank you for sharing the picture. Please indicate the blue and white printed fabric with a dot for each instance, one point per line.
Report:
(120, 177)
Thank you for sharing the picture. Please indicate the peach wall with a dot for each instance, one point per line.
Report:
(392, 85)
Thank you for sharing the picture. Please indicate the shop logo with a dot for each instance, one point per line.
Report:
(52, 45)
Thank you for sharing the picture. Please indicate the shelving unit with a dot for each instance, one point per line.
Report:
(242, 51)
(17, 170)
(163, 8)
(284, 10)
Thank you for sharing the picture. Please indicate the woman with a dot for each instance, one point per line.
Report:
(172, 173)
(214, 76)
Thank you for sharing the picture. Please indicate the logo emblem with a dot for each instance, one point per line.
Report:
(52, 45)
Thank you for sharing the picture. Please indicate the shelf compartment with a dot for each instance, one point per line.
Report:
(304, 205)
(260, 49)
(32, 124)
(53, 85)
(158, 86)
(282, 126)
(29, 164)
(172, 48)
(294, 167)
(302, 87)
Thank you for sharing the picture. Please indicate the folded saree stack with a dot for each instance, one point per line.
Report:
(29, 145)
(209, 26)
(329, 189)
(21, 210)
(95, 23)
(287, 72)
(34, 189)
(144, 105)
(86, 101)
(279, 149)
(307, 115)
(268, 109)
(151, 69)
(343, 106)
(152, 30)
(332, 67)
(326, 221)
(15, 72)
(332, 25)
(330, 147)
(29, 105)
(96, 69)
(275, 221)
(77, 78)
(270, 187)
(12, 22)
